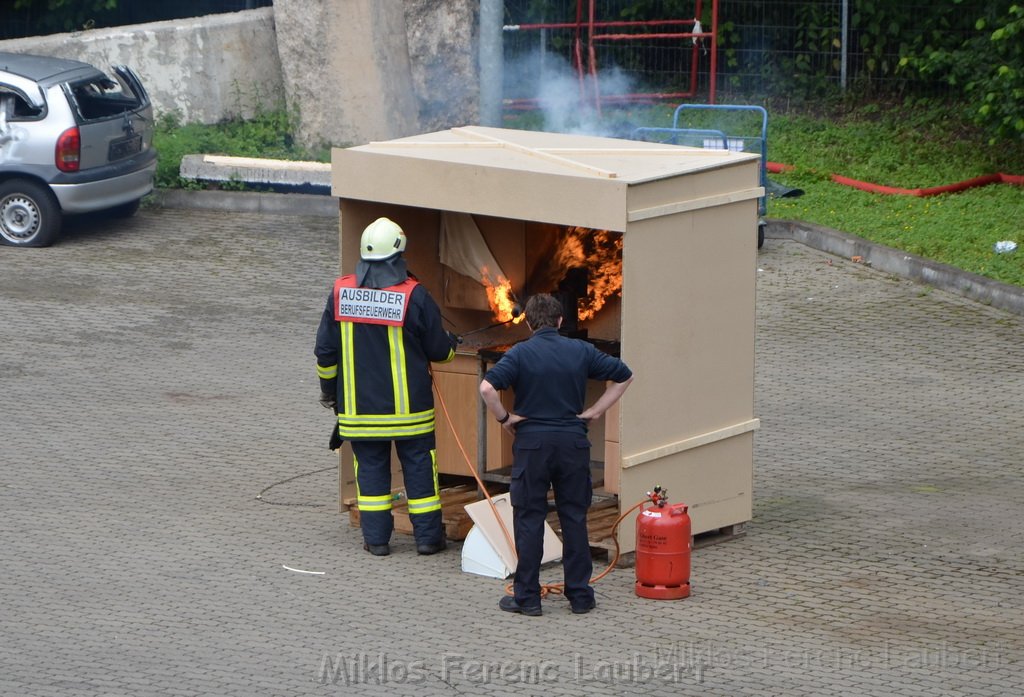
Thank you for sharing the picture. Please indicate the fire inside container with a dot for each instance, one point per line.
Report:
(580, 266)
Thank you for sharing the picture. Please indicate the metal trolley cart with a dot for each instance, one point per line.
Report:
(717, 139)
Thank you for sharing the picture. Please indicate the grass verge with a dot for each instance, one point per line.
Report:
(894, 146)
(906, 147)
(909, 149)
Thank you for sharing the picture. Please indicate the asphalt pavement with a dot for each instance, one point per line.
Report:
(169, 521)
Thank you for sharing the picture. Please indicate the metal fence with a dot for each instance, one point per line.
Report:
(765, 49)
(556, 47)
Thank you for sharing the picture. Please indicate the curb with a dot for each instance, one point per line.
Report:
(984, 290)
(942, 276)
(257, 171)
(315, 205)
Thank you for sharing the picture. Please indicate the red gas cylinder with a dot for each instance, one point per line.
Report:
(663, 544)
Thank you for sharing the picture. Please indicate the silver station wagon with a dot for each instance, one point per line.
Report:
(73, 139)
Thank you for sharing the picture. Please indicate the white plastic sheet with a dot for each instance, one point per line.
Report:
(463, 248)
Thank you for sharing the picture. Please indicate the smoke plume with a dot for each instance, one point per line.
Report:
(567, 102)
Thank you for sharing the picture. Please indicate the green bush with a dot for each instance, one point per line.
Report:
(268, 134)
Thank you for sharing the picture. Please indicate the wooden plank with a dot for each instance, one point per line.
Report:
(704, 539)
(714, 537)
(600, 519)
(263, 163)
(692, 442)
(457, 522)
(603, 510)
(537, 152)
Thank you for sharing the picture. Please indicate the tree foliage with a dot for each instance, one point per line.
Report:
(988, 67)
(51, 16)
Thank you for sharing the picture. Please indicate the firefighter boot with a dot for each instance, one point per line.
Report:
(428, 529)
(432, 548)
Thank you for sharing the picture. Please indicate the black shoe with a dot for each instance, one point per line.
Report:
(509, 604)
(432, 548)
(377, 550)
(583, 608)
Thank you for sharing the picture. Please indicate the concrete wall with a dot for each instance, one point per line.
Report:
(206, 69)
(443, 40)
(352, 70)
(346, 65)
(363, 70)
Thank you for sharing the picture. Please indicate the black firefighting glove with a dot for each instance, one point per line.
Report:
(335, 441)
(328, 401)
(454, 338)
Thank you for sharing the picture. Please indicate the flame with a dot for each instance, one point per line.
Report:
(600, 252)
(500, 296)
(597, 251)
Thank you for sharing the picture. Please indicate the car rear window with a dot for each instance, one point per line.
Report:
(103, 97)
(16, 108)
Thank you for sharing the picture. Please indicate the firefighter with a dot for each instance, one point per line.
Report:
(548, 373)
(378, 334)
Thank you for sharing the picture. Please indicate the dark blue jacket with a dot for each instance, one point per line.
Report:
(380, 374)
(549, 374)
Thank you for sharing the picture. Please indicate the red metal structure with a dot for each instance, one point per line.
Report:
(590, 31)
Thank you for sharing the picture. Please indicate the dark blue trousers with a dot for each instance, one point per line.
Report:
(560, 461)
(373, 482)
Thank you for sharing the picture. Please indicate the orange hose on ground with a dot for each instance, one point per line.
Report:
(469, 464)
(932, 191)
(998, 178)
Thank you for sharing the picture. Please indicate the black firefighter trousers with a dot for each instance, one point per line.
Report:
(541, 461)
(373, 480)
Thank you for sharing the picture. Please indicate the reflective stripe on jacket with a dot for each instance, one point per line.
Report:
(379, 372)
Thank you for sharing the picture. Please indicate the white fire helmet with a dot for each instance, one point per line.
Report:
(381, 239)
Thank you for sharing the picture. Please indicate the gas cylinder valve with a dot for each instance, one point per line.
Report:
(658, 496)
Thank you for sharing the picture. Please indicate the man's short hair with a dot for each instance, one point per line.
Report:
(543, 311)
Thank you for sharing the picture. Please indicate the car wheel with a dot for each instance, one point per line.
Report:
(29, 214)
(126, 210)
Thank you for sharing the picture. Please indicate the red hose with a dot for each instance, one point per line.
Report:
(1015, 179)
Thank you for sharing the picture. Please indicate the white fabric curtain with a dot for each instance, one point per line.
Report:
(463, 248)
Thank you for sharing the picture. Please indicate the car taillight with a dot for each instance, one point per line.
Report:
(68, 151)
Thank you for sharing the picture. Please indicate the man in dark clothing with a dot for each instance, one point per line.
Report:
(378, 334)
(549, 374)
